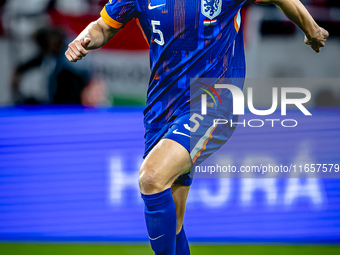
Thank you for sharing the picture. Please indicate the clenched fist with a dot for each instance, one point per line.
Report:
(77, 49)
(318, 41)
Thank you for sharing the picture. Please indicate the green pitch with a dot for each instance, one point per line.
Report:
(72, 249)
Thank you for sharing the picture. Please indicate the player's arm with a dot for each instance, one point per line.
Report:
(294, 10)
(94, 36)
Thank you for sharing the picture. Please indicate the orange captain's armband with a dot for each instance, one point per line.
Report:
(110, 21)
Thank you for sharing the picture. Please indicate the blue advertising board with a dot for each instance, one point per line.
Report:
(71, 174)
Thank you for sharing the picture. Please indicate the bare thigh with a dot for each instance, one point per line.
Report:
(166, 161)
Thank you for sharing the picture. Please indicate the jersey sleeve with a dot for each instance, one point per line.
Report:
(117, 13)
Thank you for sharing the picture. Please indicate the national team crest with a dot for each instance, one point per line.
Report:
(211, 8)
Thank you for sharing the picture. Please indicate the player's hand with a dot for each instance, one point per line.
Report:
(318, 41)
(77, 49)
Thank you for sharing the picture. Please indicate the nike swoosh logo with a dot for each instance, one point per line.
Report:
(153, 239)
(179, 133)
(154, 7)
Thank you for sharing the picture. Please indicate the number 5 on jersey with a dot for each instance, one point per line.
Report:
(193, 119)
(155, 23)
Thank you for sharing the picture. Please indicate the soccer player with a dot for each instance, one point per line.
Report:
(188, 39)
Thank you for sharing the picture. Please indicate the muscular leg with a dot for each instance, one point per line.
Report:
(167, 160)
(180, 195)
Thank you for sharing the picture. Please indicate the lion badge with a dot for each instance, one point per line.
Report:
(211, 8)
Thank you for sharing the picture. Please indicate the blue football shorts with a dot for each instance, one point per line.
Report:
(204, 137)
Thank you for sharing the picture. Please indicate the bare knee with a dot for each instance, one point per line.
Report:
(150, 181)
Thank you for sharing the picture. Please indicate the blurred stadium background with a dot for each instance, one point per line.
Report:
(71, 140)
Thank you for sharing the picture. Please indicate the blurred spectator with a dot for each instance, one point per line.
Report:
(2, 3)
(94, 93)
(65, 83)
(326, 97)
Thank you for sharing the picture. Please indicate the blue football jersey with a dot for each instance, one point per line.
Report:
(188, 39)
